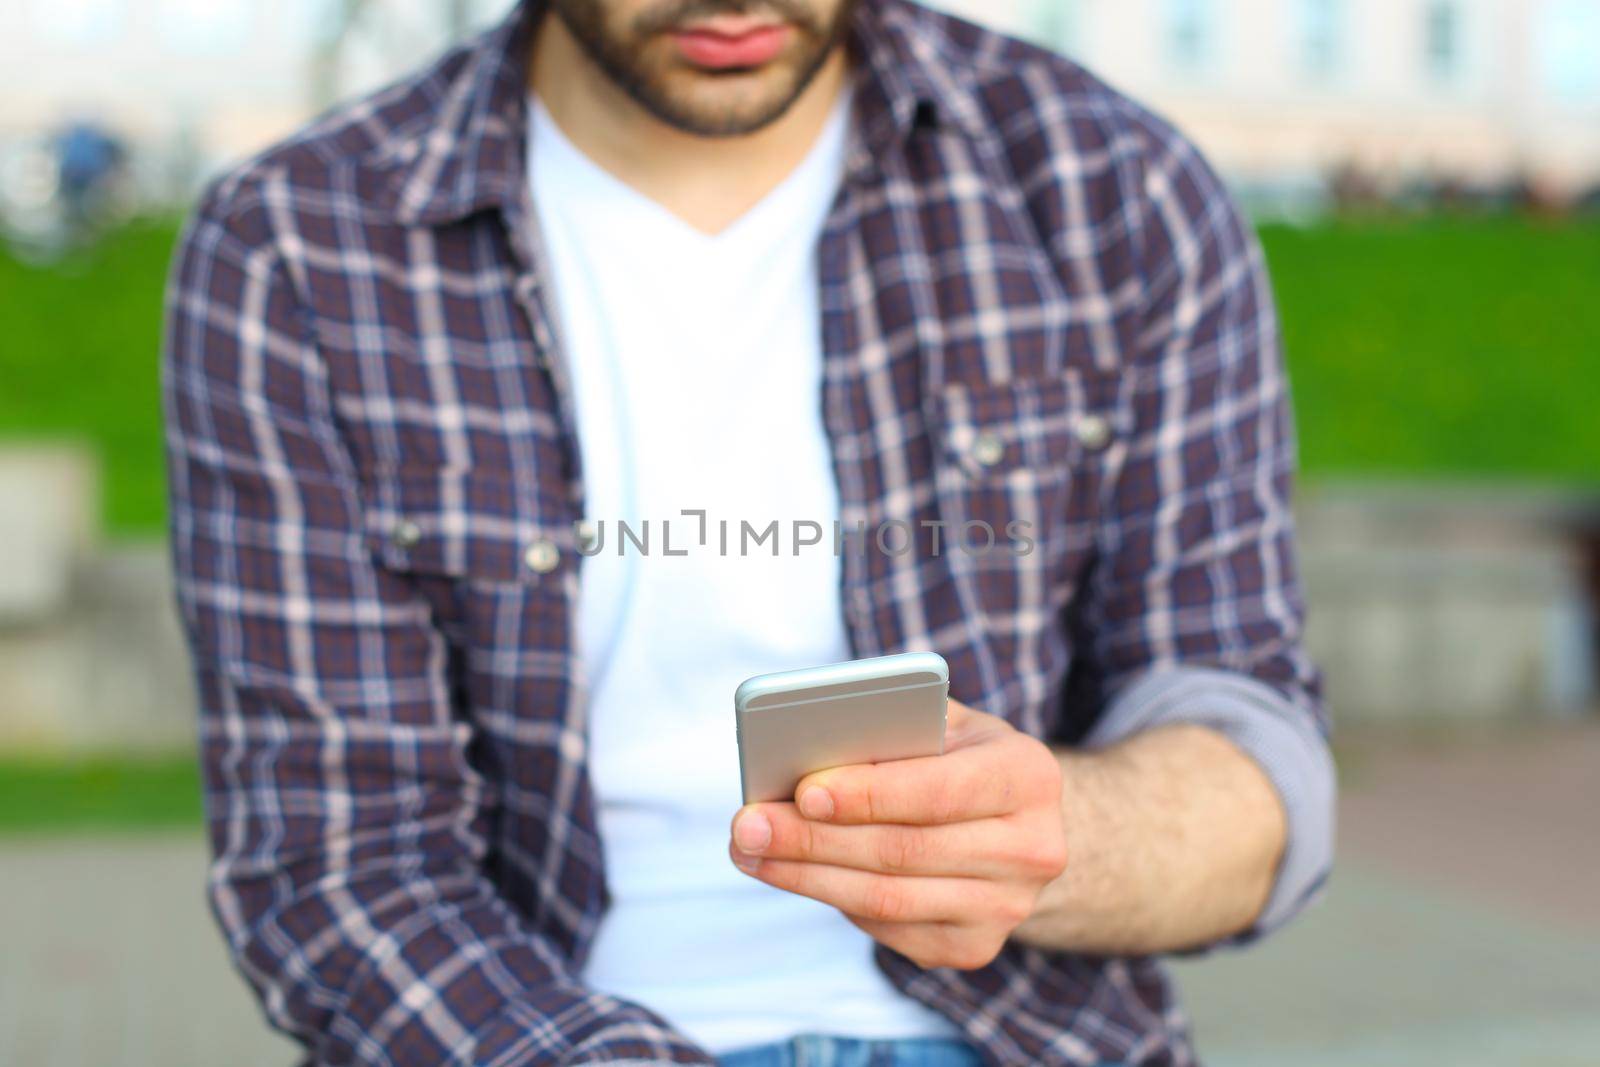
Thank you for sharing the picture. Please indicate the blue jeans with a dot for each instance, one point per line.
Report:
(815, 1050)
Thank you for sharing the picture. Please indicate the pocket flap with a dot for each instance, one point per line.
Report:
(466, 524)
(1040, 425)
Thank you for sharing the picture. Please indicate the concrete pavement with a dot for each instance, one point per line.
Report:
(1462, 928)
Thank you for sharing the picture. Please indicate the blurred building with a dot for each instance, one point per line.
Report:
(194, 83)
(222, 77)
(1284, 94)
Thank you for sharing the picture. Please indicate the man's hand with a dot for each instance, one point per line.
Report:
(939, 858)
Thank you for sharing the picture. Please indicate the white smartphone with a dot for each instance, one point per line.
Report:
(792, 723)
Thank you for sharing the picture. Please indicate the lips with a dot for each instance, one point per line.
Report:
(732, 47)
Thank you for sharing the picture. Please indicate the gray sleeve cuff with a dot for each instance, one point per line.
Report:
(1281, 736)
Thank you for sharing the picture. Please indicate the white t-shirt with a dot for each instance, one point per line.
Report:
(696, 362)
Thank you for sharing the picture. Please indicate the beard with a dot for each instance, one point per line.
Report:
(640, 58)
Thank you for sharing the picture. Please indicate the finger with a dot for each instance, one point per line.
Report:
(978, 782)
(879, 897)
(979, 849)
(964, 725)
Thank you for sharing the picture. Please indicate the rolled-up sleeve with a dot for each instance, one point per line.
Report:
(345, 819)
(1193, 611)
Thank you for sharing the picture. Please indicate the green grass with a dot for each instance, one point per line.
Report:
(98, 795)
(79, 344)
(1432, 348)
(1444, 348)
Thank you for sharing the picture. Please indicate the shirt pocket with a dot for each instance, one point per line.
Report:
(496, 567)
(1015, 464)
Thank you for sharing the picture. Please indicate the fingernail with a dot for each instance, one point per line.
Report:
(747, 864)
(752, 832)
(816, 803)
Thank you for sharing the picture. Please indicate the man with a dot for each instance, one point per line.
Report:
(767, 266)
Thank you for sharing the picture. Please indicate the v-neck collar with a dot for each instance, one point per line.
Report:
(823, 161)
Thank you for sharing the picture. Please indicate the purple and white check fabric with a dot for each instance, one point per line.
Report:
(1039, 307)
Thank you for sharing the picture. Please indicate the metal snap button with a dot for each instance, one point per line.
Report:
(405, 533)
(542, 557)
(988, 449)
(1094, 432)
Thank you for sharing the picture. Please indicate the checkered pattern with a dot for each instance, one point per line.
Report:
(1038, 307)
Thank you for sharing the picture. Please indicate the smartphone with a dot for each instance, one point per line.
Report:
(792, 723)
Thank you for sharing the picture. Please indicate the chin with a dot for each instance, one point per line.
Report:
(725, 105)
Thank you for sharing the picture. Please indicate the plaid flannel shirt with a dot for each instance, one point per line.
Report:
(1038, 306)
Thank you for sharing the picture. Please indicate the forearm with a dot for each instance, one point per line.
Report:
(1174, 837)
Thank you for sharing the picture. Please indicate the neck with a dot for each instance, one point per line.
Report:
(709, 182)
